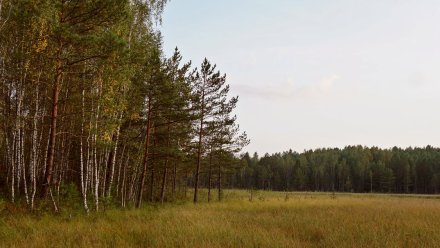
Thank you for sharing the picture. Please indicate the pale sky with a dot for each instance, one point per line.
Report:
(320, 73)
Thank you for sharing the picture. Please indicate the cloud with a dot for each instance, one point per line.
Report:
(323, 87)
(289, 90)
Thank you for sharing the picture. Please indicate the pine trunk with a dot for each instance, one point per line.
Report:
(53, 125)
(145, 159)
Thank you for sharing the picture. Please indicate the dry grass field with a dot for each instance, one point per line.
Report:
(271, 219)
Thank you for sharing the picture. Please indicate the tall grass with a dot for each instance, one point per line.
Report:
(271, 219)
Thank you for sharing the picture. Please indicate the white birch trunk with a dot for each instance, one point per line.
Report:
(83, 177)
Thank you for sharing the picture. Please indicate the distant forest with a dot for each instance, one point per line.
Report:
(352, 169)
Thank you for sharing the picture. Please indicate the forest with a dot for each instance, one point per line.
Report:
(92, 107)
(93, 111)
(351, 169)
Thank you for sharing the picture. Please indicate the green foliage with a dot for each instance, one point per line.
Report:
(352, 169)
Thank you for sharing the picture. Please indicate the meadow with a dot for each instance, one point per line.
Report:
(269, 219)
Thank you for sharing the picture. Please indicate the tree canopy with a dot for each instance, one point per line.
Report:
(90, 103)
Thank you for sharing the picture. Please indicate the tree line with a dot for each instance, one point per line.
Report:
(91, 105)
(351, 169)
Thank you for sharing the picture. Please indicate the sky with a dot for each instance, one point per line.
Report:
(318, 73)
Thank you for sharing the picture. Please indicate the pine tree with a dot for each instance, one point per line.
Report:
(215, 127)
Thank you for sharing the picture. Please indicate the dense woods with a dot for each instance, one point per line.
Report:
(352, 169)
(92, 109)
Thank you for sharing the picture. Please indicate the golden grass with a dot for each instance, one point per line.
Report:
(270, 220)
